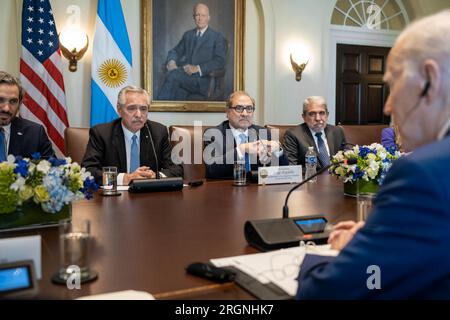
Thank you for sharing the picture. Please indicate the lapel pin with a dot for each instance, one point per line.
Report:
(19, 133)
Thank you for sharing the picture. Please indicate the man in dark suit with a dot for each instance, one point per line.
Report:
(19, 137)
(402, 250)
(326, 139)
(239, 139)
(200, 51)
(127, 143)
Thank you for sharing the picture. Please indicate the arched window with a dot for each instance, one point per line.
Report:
(370, 14)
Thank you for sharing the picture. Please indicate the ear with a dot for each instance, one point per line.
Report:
(433, 79)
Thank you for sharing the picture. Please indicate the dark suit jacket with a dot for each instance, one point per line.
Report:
(209, 53)
(220, 169)
(106, 147)
(407, 236)
(297, 141)
(28, 137)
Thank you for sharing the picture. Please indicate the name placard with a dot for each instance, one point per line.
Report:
(279, 175)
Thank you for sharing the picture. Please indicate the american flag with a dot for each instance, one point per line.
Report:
(41, 72)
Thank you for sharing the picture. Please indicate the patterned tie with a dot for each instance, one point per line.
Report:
(2, 146)
(243, 138)
(134, 158)
(323, 154)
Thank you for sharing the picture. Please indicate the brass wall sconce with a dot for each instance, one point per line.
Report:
(298, 69)
(78, 41)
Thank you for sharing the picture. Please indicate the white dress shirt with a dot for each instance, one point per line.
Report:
(7, 133)
(324, 138)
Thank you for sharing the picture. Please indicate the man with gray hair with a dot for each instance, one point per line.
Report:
(19, 137)
(401, 252)
(131, 142)
(326, 139)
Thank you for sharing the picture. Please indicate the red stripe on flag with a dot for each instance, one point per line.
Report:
(40, 113)
(42, 87)
(54, 72)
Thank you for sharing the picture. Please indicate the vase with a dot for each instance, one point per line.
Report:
(351, 188)
(31, 216)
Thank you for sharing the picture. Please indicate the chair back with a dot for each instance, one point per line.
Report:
(281, 130)
(75, 141)
(363, 134)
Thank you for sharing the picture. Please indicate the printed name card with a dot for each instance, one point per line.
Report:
(279, 175)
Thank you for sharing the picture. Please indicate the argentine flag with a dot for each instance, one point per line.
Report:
(111, 61)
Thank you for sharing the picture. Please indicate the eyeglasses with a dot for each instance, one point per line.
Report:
(134, 108)
(314, 114)
(240, 109)
(12, 102)
(198, 15)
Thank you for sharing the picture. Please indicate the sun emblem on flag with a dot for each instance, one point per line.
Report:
(112, 73)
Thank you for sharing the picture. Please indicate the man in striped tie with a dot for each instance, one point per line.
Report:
(326, 139)
(19, 137)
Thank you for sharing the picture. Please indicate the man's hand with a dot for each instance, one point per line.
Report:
(140, 173)
(250, 147)
(270, 146)
(171, 65)
(190, 69)
(342, 233)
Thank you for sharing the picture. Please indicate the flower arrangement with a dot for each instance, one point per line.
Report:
(51, 183)
(373, 163)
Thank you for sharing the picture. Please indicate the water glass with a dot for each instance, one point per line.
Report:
(109, 180)
(239, 173)
(364, 205)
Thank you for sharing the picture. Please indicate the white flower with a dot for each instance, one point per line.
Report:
(44, 166)
(11, 159)
(19, 184)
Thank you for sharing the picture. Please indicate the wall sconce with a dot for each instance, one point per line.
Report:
(78, 41)
(298, 69)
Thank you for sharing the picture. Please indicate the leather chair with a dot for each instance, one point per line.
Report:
(75, 141)
(192, 171)
(363, 134)
(282, 130)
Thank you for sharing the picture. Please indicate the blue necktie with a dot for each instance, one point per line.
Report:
(323, 154)
(243, 138)
(2, 146)
(134, 158)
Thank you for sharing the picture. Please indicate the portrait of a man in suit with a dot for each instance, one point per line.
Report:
(197, 64)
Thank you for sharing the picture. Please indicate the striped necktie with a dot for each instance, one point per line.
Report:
(2, 145)
(323, 154)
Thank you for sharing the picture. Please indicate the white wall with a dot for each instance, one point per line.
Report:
(273, 29)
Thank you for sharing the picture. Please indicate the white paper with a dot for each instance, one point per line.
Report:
(121, 295)
(280, 267)
(279, 175)
(22, 248)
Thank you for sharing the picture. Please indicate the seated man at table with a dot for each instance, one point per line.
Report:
(402, 250)
(136, 146)
(239, 139)
(326, 139)
(19, 137)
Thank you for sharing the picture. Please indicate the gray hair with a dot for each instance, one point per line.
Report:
(314, 100)
(6, 78)
(121, 100)
(235, 94)
(427, 38)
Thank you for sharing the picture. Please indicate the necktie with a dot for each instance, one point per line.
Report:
(323, 154)
(134, 158)
(243, 138)
(2, 146)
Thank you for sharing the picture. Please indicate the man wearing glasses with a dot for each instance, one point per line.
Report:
(19, 137)
(200, 51)
(239, 139)
(326, 139)
(127, 143)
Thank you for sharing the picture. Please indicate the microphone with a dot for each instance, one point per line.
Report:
(154, 150)
(286, 208)
(285, 232)
(345, 144)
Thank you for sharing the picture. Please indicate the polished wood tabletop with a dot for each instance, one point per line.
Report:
(145, 241)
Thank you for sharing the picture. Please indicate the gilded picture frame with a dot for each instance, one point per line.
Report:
(155, 15)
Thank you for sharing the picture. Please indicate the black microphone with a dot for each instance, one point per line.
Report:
(286, 208)
(345, 144)
(154, 150)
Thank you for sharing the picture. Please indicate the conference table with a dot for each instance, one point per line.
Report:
(144, 241)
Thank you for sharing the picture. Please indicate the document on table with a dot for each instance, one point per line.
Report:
(121, 295)
(280, 267)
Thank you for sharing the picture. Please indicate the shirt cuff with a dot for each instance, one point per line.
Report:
(239, 154)
(162, 175)
(120, 177)
(199, 70)
(278, 153)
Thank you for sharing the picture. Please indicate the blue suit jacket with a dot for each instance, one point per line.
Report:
(407, 236)
(209, 53)
(388, 138)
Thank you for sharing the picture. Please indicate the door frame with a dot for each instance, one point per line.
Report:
(353, 36)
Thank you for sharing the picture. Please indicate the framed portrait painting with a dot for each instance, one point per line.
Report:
(192, 53)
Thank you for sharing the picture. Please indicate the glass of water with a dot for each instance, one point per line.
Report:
(109, 180)
(239, 173)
